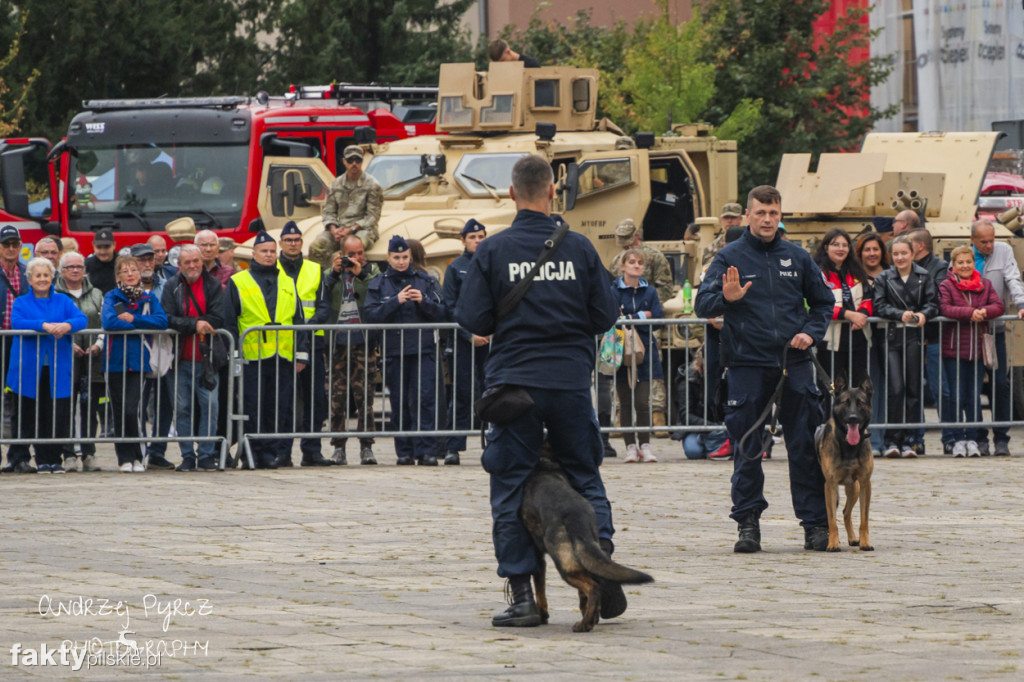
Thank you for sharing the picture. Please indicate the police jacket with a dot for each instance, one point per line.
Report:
(893, 296)
(382, 306)
(548, 340)
(266, 278)
(453, 278)
(787, 296)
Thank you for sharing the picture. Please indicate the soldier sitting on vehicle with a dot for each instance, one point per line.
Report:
(353, 206)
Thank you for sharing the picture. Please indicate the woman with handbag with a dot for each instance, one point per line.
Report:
(128, 307)
(968, 298)
(641, 362)
(41, 364)
(904, 293)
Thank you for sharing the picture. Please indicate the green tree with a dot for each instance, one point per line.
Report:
(396, 41)
(130, 48)
(815, 99)
(12, 103)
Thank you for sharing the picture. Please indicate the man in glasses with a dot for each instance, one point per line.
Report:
(12, 284)
(209, 248)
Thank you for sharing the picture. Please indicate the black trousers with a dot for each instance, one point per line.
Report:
(43, 417)
(125, 397)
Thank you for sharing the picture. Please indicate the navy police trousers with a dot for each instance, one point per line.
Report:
(749, 390)
(512, 453)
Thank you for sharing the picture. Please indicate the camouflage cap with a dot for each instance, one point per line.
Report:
(625, 142)
(625, 231)
(353, 152)
(732, 210)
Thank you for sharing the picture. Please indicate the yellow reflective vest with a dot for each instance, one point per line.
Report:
(307, 284)
(265, 344)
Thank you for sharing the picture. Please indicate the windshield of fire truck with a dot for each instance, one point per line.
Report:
(143, 187)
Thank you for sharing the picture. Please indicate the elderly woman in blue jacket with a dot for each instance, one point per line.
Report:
(128, 307)
(41, 364)
(638, 300)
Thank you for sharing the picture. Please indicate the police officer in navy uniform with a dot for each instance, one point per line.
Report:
(311, 383)
(547, 345)
(773, 296)
(469, 351)
(265, 295)
(407, 295)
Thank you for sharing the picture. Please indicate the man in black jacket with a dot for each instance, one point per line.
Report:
(547, 345)
(196, 306)
(773, 297)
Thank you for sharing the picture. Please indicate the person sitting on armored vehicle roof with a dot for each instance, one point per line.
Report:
(499, 51)
(353, 206)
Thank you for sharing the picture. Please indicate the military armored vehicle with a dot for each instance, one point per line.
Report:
(488, 120)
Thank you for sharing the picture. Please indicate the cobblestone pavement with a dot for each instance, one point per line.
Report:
(388, 572)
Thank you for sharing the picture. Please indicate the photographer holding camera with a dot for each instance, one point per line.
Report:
(341, 302)
(195, 304)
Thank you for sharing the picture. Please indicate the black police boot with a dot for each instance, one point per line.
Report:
(613, 599)
(522, 611)
(606, 420)
(750, 535)
(816, 538)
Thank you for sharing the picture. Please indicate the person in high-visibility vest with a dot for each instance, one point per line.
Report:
(272, 358)
(311, 382)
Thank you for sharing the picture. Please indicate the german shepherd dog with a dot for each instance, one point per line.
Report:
(562, 524)
(844, 453)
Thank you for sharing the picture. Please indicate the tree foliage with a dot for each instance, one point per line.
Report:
(815, 99)
(12, 101)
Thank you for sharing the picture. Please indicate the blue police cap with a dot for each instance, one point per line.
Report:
(263, 238)
(397, 245)
(290, 228)
(473, 225)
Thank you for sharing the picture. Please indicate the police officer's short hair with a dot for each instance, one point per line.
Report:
(497, 49)
(531, 177)
(923, 237)
(766, 194)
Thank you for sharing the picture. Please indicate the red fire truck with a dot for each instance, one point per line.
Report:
(135, 165)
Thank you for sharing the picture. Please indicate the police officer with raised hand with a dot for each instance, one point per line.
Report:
(312, 381)
(265, 295)
(469, 351)
(547, 345)
(773, 296)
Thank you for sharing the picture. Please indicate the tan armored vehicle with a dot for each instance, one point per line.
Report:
(434, 183)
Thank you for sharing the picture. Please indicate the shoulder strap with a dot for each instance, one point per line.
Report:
(513, 297)
(188, 292)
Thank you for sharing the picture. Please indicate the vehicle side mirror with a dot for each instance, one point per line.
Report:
(12, 174)
(364, 135)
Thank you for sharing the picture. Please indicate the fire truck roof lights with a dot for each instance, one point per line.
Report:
(228, 102)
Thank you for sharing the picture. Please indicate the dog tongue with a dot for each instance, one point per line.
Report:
(853, 433)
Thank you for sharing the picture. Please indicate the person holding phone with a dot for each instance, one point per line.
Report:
(128, 307)
(904, 293)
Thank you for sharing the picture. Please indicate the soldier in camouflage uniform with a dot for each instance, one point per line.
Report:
(345, 285)
(353, 206)
(658, 274)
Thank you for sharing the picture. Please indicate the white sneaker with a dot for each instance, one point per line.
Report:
(125, 468)
(645, 453)
(972, 449)
(908, 452)
(892, 451)
(631, 453)
(70, 464)
(960, 448)
(138, 467)
(89, 463)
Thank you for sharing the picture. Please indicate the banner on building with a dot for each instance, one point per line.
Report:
(970, 63)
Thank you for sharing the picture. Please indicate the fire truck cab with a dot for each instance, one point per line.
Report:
(136, 165)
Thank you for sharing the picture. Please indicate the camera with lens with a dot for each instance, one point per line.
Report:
(347, 262)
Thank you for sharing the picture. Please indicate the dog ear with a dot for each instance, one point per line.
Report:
(839, 382)
(867, 387)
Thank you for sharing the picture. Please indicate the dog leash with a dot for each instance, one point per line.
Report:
(770, 414)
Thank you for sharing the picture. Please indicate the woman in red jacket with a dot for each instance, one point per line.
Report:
(845, 347)
(968, 298)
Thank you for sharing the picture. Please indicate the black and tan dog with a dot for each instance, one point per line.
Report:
(562, 524)
(844, 452)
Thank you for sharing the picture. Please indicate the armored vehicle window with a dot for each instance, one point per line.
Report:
(500, 110)
(454, 114)
(395, 173)
(294, 187)
(596, 176)
(481, 174)
(580, 95)
(545, 93)
(671, 208)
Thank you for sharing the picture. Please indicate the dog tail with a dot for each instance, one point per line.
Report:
(597, 563)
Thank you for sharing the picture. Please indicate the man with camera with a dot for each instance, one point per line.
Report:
(352, 207)
(341, 302)
(195, 305)
(312, 381)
